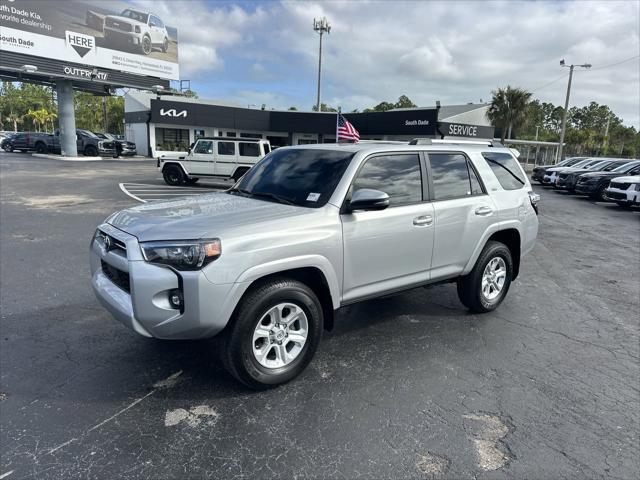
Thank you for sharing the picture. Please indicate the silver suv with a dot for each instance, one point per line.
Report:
(308, 230)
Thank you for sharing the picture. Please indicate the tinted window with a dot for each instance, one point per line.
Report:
(226, 148)
(626, 167)
(396, 175)
(506, 169)
(476, 186)
(204, 146)
(303, 176)
(451, 176)
(249, 149)
(611, 166)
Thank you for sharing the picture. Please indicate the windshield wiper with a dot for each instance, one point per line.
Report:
(275, 196)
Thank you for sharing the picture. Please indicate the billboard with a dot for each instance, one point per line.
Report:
(112, 35)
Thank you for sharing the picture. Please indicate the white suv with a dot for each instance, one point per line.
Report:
(142, 30)
(310, 229)
(625, 191)
(220, 157)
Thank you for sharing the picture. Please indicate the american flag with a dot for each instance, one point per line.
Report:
(346, 131)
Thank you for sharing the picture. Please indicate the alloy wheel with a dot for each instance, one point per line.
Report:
(493, 278)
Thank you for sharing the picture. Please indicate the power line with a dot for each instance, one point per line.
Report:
(614, 64)
(550, 83)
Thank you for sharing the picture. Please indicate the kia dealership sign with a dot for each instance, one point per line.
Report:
(116, 35)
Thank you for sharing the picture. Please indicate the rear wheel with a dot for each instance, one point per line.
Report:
(173, 175)
(484, 288)
(274, 334)
(90, 151)
(165, 45)
(41, 147)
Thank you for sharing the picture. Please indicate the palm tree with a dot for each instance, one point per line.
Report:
(50, 117)
(15, 119)
(508, 108)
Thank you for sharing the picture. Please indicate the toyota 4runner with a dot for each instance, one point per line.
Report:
(310, 229)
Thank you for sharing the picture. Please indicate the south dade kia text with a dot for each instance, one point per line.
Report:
(16, 41)
(416, 122)
(21, 13)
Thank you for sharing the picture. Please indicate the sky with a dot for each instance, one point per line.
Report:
(254, 53)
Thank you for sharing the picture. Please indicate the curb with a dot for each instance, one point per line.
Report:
(89, 159)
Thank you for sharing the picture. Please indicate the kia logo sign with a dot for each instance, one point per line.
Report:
(172, 112)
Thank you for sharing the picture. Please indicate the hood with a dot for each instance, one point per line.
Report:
(127, 20)
(564, 169)
(201, 216)
(600, 174)
(629, 179)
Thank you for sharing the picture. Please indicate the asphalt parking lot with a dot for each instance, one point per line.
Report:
(411, 386)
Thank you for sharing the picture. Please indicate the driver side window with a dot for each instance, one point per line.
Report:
(204, 146)
(397, 175)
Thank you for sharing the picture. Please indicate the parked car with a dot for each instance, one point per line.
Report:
(551, 174)
(310, 229)
(28, 141)
(5, 143)
(567, 180)
(222, 157)
(142, 30)
(539, 171)
(594, 184)
(123, 147)
(625, 191)
(88, 144)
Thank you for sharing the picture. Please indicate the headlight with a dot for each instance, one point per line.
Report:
(182, 255)
(137, 29)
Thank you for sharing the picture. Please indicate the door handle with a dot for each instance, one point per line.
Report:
(423, 220)
(484, 211)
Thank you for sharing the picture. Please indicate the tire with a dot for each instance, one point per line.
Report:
(241, 338)
(41, 147)
(624, 204)
(173, 175)
(191, 181)
(90, 151)
(470, 287)
(165, 45)
(145, 45)
(8, 148)
(600, 194)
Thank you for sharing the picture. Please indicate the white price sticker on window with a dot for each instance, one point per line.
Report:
(313, 197)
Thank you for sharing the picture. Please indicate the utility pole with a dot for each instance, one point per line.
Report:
(566, 106)
(605, 140)
(320, 26)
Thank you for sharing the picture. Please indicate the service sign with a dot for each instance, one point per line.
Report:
(117, 35)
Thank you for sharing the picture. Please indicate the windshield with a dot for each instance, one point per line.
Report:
(569, 162)
(141, 17)
(304, 177)
(625, 167)
(599, 165)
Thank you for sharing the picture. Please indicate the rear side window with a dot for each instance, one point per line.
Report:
(506, 169)
(249, 149)
(453, 176)
(396, 175)
(226, 148)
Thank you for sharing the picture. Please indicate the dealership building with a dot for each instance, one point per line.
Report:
(162, 124)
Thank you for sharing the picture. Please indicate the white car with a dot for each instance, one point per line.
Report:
(220, 157)
(625, 191)
(142, 30)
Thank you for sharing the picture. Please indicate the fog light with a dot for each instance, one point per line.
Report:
(175, 299)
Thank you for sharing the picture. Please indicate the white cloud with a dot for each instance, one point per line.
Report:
(454, 52)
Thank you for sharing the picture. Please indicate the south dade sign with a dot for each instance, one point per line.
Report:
(462, 130)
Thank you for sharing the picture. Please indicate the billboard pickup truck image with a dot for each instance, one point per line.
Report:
(142, 30)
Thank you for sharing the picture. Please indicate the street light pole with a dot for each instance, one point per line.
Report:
(320, 26)
(566, 106)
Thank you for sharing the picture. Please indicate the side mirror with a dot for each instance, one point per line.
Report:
(368, 199)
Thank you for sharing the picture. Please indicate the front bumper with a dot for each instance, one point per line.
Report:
(627, 196)
(132, 38)
(142, 304)
(586, 188)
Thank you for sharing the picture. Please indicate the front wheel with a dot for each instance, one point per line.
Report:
(165, 45)
(173, 176)
(41, 148)
(274, 334)
(91, 151)
(146, 45)
(484, 288)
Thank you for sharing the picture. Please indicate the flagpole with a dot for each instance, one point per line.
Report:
(337, 123)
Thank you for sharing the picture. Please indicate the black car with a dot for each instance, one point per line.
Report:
(594, 184)
(6, 144)
(123, 147)
(540, 170)
(568, 180)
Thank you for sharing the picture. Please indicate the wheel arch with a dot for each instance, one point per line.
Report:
(509, 235)
(175, 164)
(315, 274)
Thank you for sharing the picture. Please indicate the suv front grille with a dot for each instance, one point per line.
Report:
(123, 26)
(620, 186)
(118, 277)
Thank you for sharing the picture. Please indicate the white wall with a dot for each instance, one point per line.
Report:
(137, 133)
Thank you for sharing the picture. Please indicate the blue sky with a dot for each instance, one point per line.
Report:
(455, 52)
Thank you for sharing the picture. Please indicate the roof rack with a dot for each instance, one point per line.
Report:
(433, 141)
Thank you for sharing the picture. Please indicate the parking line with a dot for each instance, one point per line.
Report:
(143, 192)
(126, 192)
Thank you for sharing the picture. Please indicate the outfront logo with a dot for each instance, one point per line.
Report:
(80, 42)
(172, 112)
